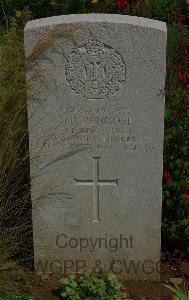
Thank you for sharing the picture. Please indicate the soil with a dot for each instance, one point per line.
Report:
(44, 286)
(134, 290)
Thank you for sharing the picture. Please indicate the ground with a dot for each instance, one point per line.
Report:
(43, 286)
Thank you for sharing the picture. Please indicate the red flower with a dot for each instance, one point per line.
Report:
(187, 218)
(181, 75)
(181, 20)
(166, 175)
(187, 74)
(186, 196)
(121, 3)
(174, 113)
(170, 298)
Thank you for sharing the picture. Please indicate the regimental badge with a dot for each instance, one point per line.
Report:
(95, 70)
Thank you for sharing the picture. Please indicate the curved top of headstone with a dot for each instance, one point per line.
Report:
(96, 18)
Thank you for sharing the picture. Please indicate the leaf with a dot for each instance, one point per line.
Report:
(179, 294)
(167, 114)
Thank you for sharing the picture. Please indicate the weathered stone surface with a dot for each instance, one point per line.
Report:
(177, 281)
(95, 108)
(185, 267)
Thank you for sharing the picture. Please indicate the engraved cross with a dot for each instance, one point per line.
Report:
(96, 183)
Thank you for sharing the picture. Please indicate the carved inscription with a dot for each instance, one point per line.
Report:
(94, 127)
(95, 71)
(98, 128)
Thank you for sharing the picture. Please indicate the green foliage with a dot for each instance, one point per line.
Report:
(42, 8)
(175, 226)
(15, 207)
(69, 288)
(6, 295)
(166, 10)
(179, 294)
(90, 286)
(171, 11)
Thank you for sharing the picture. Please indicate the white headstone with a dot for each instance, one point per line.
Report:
(96, 125)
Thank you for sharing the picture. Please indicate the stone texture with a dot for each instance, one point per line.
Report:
(185, 267)
(95, 111)
(177, 281)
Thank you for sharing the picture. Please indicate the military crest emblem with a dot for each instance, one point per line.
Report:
(95, 70)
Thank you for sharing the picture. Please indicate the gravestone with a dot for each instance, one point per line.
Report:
(96, 125)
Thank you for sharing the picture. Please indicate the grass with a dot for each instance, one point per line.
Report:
(15, 202)
(2, 32)
(179, 294)
(7, 295)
